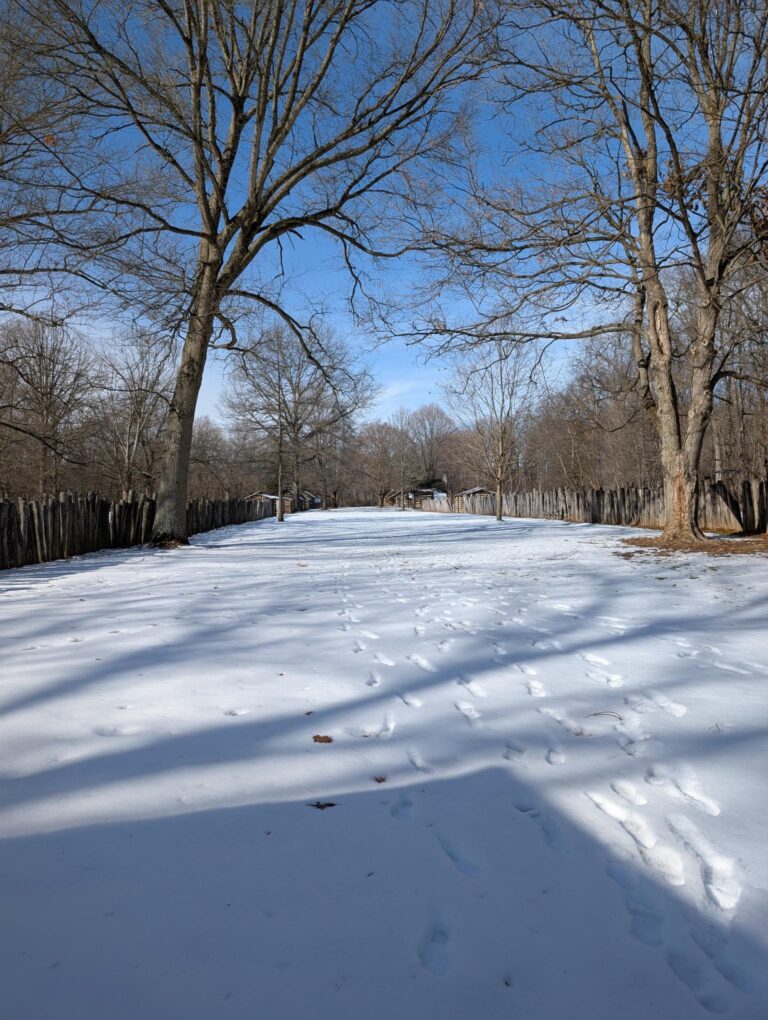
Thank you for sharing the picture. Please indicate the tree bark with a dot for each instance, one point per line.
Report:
(170, 526)
(681, 436)
(279, 508)
(499, 500)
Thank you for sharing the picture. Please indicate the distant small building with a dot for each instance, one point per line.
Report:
(414, 497)
(458, 499)
(287, 500)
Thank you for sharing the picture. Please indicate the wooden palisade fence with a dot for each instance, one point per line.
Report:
(721, 509)
(36, 531)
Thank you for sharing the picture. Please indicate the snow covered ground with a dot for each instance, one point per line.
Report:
(547, 776)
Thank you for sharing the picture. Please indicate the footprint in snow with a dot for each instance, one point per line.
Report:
(444, 646)
(555, 756)
(513, 751)
(369, 635)
(667, 704)
(382, 659)
(609, 679)
(661, 858)
(572, 726)
(373, 679)
(359, 646)
(548, 645)
(433, 950)
(469, 712)
(403, 808)
(383, 732)
(549, 828)
(614, 624)
(629, 792)
(716, 869)
(409, 699)
(696, 974)
(728, 667)
(471, 686)
(117, 731)
(536, 689)
(459, 860)
(757, 666)
(674, 639)
(417, 761)
(680, 781)
(642, 901)
(594, 660)
(631, 737)
(419, 630)
(422, 663)
(713, 940)
(526, 670)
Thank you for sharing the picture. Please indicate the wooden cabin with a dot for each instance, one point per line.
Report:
(287, 500)
(414, 497)
(458, 499)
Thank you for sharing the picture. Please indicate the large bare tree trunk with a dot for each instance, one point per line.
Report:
(499, 500)
(170, 525)
(681, 436)
(280, 507)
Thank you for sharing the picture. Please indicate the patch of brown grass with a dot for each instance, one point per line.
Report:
(723, 545)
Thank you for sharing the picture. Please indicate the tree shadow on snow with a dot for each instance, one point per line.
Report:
(466, 898)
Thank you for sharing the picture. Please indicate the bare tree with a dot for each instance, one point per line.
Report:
(39, 124)
(134, 391)
(649, 155)
(331, 463)
(276, 390)
(489, 395)
(268, 120)
(405, 451)
(376, 455)
(49, 380)
(431, 429)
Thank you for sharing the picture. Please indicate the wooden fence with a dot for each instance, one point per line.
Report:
(53, 528)
(721, 509)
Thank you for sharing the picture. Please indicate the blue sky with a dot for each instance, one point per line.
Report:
(315, 278)
(401, 372)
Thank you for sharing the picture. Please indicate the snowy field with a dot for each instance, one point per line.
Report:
(570, 822)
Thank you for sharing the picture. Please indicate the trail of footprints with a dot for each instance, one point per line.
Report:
(699, 961)
(699, 958)
(702, 964)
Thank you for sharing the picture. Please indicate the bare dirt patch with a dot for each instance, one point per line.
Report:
(723, 545)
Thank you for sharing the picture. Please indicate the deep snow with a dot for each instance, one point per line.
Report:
(572, 822)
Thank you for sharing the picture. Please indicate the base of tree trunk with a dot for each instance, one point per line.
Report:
(166, 541)
(683, 536)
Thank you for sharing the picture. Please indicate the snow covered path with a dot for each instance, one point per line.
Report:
(544, 796)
